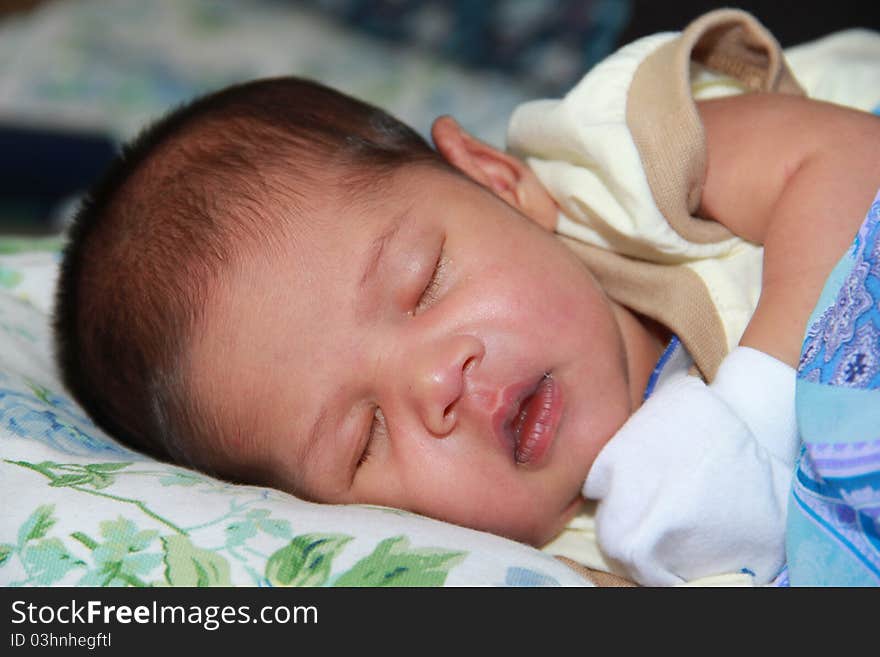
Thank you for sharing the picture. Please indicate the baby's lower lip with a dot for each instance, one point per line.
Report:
(535, 426)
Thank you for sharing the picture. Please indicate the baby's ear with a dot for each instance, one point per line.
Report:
(502, 173)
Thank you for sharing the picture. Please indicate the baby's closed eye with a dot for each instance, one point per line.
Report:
(378, 429)
(431, 292)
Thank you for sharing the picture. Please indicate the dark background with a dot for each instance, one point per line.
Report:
(790, 22)
(544, 45)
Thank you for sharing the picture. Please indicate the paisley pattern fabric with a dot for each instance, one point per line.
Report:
(834, 507)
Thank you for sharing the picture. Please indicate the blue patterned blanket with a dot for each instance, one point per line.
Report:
(834, 507)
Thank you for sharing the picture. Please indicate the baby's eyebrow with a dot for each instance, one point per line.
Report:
(377, 247)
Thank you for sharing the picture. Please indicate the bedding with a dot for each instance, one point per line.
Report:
(545, 43)
(833, 533)
(113, 65)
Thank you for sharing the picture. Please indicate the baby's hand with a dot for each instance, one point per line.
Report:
(696, 482)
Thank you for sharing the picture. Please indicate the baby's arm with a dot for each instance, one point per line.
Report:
(795, 175)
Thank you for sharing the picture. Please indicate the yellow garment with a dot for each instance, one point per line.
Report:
(581, 149)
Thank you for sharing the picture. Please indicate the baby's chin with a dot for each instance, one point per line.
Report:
(569, 513)
(548, 528)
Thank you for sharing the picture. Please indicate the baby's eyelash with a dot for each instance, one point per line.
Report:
(430, 293)
(376, 428)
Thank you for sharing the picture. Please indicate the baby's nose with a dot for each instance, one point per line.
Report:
(438, 379)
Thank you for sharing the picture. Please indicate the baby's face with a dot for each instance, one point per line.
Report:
(438, 352)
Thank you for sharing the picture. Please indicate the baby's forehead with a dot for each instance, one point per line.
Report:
(321, 231)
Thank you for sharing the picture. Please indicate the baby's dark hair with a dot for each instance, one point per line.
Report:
(174, 209)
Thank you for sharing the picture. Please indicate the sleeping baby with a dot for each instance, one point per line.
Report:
(280, 284)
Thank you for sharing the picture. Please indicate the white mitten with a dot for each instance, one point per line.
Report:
(696, 482)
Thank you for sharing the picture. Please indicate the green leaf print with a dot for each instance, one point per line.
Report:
(394, 563)
(70, 480)
(181, 479)
(6, 550)
(37, 524)
(40, 392)
(100, 474)
(237, 533)
(187, 565)
(107, 467)
(90, 479)
(9, 278)
(95, 475)
(305, 561)
(47, 561)
(279, 528)
(256, 520)
(121, 560)
(20, 244)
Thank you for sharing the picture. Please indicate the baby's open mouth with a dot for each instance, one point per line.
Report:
(534, 423)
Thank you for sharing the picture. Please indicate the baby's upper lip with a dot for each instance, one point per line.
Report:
(512, 397)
